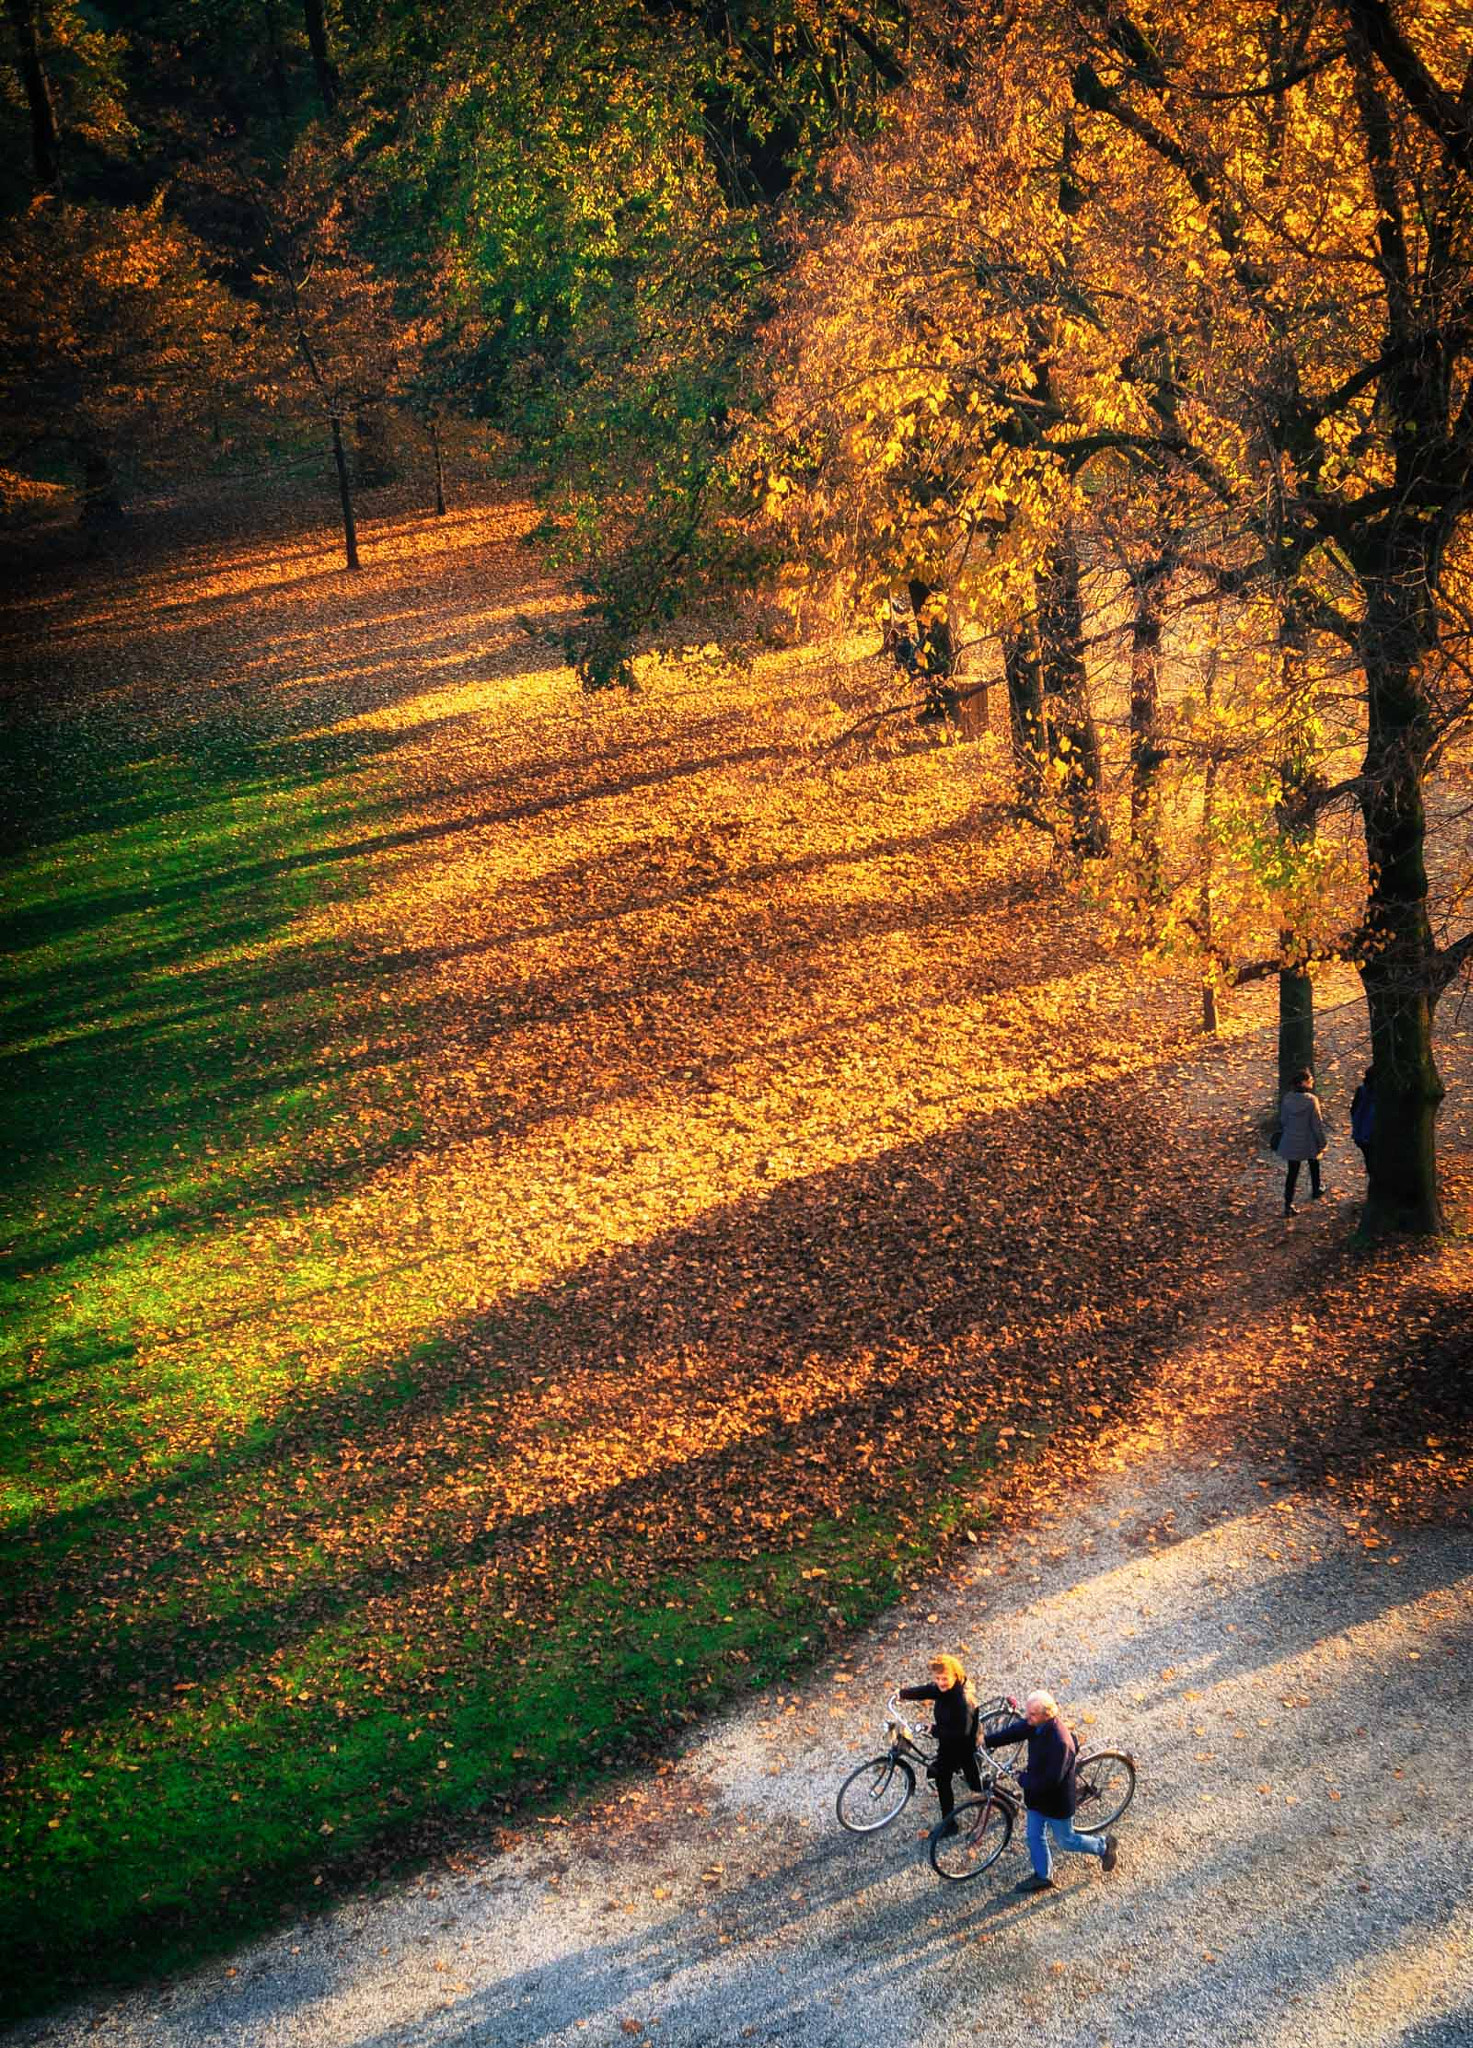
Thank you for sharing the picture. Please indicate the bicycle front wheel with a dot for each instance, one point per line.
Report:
(1106, 1783)
(972, 1840)
(873, 1795)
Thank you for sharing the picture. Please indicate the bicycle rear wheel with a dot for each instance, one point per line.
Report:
(972, 1840)
(1106, 1782)
(873, 1795)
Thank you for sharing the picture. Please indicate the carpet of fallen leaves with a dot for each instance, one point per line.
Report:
(713, 1133)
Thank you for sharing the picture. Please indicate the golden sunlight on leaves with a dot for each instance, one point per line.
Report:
(659, 1057)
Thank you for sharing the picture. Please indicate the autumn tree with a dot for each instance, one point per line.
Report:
(921, 374)
(114, 342)
(20, 16)
(63, 116)
(1322, 158)
(338, 344)
(325, 70)
(1222, 260)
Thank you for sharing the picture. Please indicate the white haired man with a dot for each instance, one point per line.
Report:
(1049, 1791)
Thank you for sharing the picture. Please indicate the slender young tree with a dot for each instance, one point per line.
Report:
(342, 346)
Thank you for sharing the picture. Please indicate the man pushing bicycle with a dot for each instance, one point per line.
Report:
(1050, 1791)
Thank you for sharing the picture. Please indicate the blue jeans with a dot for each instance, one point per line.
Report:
(1065, 1835)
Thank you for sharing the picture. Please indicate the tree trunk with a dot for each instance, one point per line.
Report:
(1296, 1024)
(1209, 825)
(1145, 750)
(1024, 682)
(935, 657)
(102, 508)
(345, 492)
(1402, 1159)
(329, 85)
(45, 142)
(1056, 744)
(1074, 739)
(1204, 900)
(1399, 972)
(439, 469)
(1298, 773)
(276, 62)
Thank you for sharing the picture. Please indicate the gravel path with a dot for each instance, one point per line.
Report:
(1295, 1869)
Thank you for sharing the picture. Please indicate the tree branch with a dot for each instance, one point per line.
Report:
(1285, 82)
(888, 66)
(1436, 109)
(1449, 961)
(1310, 802)
(872, 719)
(1254, 970)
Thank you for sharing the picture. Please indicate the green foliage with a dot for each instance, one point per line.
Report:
(598, 186)
(83, 64)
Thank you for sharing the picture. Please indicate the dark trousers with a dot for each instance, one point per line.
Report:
(948, 1762)
(1291, 1179)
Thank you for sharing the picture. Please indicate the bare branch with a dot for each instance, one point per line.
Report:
(1436, 109)
(1449, 962)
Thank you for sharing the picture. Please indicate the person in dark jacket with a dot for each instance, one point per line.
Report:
(955, 1723)
(1049, 1791)
(1363, 1116)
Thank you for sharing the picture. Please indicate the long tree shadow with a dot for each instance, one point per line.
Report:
(76, 777)
(194, 1064)
(28, 928)
(926, 1269)
(930, 1268)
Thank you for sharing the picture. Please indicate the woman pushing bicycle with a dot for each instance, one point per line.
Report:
(956, 1719)
(1050, 1792)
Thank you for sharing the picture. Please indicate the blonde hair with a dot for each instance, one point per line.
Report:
(944, 1661)
(1045, 1700)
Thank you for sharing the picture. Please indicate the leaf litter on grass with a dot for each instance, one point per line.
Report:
(562, 1217)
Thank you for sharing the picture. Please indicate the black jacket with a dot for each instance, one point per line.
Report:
(955, 1718)
(1048, 1778)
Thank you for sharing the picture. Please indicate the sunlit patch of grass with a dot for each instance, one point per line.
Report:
(160, 1028)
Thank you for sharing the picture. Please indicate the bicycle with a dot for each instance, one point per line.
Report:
(980, 1828)
(879, 1790)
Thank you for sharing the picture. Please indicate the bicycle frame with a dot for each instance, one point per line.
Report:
(905, 1739)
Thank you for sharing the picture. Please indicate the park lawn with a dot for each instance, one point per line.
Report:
(526, 1216)
(162, 1023)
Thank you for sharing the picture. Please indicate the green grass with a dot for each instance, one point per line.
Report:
(168, 1066)
(161, 1028)
(206, 1736)
(154, 1838)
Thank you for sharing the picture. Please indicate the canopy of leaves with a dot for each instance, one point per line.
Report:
(113, 336)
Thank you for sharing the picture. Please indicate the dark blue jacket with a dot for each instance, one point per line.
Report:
(1363, 1115)
(1048, 1777)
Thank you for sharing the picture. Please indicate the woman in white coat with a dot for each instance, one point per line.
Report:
(1301, 1136)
